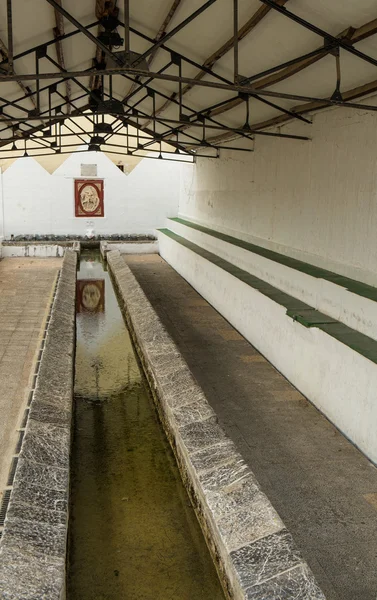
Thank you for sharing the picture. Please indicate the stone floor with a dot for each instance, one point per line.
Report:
(26, 287)
(323, 487)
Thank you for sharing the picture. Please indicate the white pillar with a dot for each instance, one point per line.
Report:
(1, 205)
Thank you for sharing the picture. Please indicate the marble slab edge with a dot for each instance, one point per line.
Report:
(33, 544)
(255, 555)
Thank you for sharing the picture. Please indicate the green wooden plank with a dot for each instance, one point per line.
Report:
(356, 287)
(299, 311)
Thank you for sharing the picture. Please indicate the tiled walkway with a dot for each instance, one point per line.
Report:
(324, 489)
(26, 287)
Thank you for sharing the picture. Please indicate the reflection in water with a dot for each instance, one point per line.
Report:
(133, 532)
(90, 295)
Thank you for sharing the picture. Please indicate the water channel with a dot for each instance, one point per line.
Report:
(133, 532)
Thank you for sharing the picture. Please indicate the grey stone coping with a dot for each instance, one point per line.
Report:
(57, 242)
(104, 249)
(33, 544)
(76, 247)
(255, 555)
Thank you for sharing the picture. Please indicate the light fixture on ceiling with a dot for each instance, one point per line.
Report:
(111, 38)
(97, 139)
(94, 148)
(131, 58)
(111, 106)
(102, 128)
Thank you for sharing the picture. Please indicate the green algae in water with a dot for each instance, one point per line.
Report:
(133, 532)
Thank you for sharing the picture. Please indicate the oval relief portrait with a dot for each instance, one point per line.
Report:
(89, 198)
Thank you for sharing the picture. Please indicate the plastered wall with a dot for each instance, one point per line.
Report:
(37, 202)
(313, 200)
(340, 382)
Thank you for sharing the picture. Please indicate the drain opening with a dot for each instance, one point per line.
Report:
(12, 470)
(25, 418)
(19, 443)
(4, 506)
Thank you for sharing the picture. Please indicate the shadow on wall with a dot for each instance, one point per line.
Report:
(39, 203)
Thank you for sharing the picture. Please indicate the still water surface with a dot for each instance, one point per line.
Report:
(133, 532)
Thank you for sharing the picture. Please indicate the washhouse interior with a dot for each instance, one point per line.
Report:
(188, 289)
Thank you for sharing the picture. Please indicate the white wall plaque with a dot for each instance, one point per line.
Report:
(88, 170)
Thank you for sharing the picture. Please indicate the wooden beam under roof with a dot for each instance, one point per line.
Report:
(351, 34)
(102, 8)
(24, 88)
(348, 96)
(161, 32)
(352, 94)
(58, 31)
(254, 20)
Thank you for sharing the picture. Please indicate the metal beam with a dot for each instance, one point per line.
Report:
(101, 7)
(352, 94)
(85, 31)
(10, 36)
(162, 31)
(176, 122)
(52, 42)
(160, 34)
(321, 32)
(127, 30)
(58, 32)
(256, 18)
(26, 90)
(348, 96)
(174, 31)
(235, 41)
(164, 77)
(283, 71)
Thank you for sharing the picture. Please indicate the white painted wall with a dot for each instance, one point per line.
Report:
(339, 381)
(1, 207)
(314, 200)
(32, 250)
(353, 310)
(36, 202)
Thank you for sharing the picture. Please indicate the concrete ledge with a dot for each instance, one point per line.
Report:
(132, 247)
(321, 360)
(33, 545)
(254, 553)
(46, 250)
(76, 247)
(346, 300)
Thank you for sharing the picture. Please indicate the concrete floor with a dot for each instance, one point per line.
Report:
(323, 487)
(26, 287)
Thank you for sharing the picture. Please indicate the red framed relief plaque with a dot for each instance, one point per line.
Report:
(89, 198)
